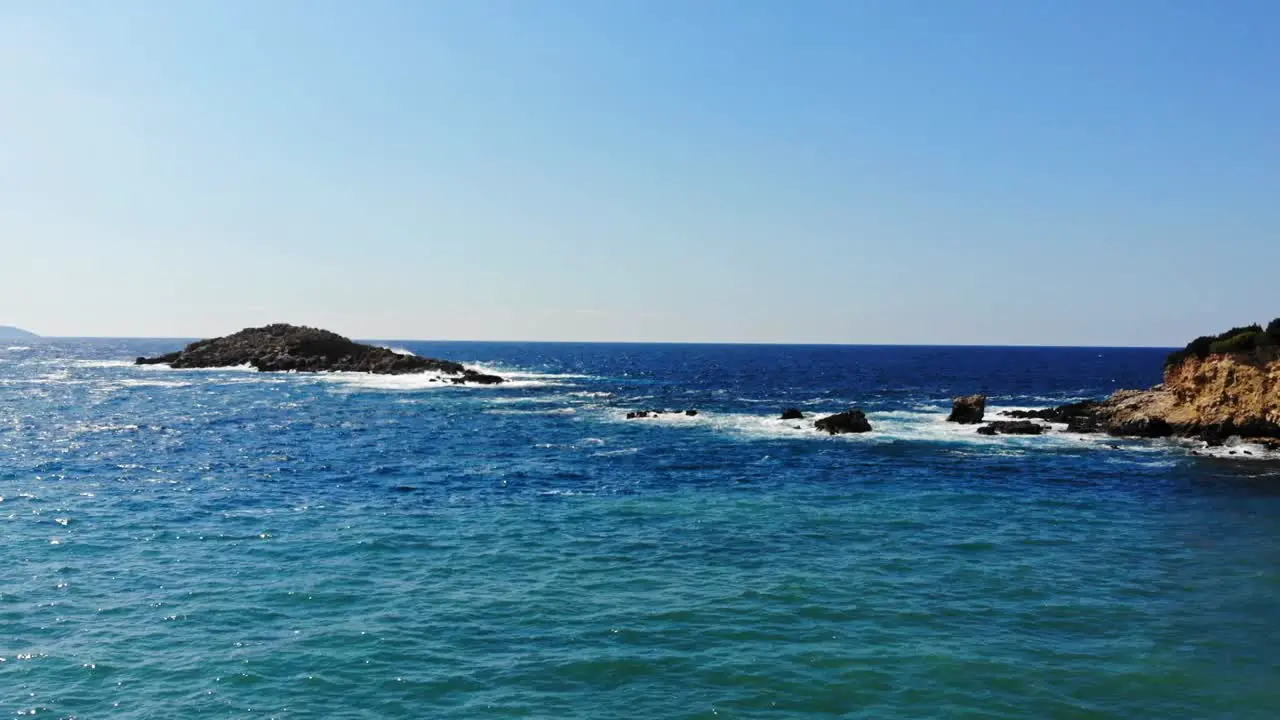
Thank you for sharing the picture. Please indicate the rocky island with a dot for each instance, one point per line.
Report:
(1217, 387)
(282, 347)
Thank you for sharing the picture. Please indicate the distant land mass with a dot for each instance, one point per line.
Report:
(8, 332)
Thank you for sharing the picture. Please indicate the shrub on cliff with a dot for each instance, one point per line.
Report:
(1204, 346)
(1273, 329)
(1242, 342)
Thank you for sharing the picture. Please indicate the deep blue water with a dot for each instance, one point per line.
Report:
(233, 544)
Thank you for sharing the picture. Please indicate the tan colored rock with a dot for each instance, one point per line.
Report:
(1241, 388)
(1210, 397)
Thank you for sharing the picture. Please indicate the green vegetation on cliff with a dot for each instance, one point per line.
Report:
(1236, 340)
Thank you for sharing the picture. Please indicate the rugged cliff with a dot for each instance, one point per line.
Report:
(1217, 387)
(1237, 389)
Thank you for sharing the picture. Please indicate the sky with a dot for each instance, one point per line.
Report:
(854, 171)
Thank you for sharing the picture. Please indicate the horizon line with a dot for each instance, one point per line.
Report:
(745, 343)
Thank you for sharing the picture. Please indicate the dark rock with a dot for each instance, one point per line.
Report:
(159, 359)
(1084, 424)
(691, 413)
(281, 347)
(1011, 427)
(968, 409)
(479, 378)
(1079, 411)
(1217, 434)
(1147, 427)
(849, 421)
(638, 414)
(792, 414)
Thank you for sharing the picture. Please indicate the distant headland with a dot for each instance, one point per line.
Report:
(9, 332)
(281, 347)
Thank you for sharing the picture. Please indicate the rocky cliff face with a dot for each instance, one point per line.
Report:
(1211, 398)
(1219, 386)
(1237, 391)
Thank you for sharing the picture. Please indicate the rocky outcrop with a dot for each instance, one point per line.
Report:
(1011, 427)
(849, 421)
(792, 414)
(1210, 398)
(1206, 394)
(281, 347)
(1079, 416)
(968, 409)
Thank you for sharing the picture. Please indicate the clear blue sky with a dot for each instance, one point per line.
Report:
(849, 171)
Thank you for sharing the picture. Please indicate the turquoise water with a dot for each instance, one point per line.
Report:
(230, 544)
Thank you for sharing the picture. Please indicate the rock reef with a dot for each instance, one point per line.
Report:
(282, 347)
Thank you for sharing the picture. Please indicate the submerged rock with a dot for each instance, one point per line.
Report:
(849, 421)
(281, 347)
(968, 409)
(1011, 427)
(639, 414)
(792, 414)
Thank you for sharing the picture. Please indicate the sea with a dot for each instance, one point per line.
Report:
(234, 544)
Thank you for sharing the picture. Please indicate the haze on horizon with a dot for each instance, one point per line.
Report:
(983, 172)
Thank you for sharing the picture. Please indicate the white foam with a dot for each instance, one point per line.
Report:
(246, 368)
(1235, 449)
(157, 382)
(513, 380)
(98, 363)
(17, 348)
(410, 382)
(522, 374)
(550, 411)
(373, 381)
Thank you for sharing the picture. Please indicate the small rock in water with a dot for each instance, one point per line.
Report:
(849, 421)
(690, 413)
(968, 409)
(792, 414)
